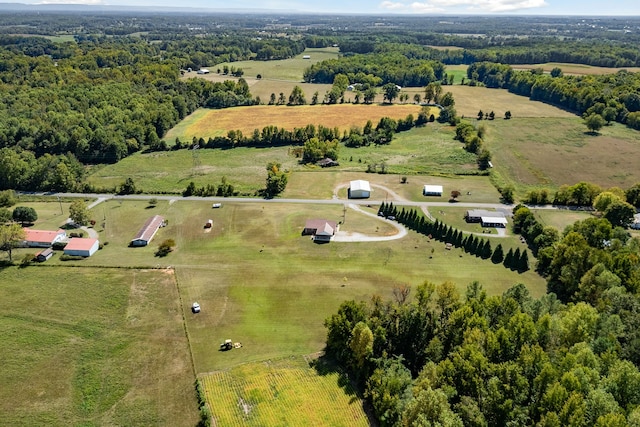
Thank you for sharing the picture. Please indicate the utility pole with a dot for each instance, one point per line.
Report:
(344, 213)
(60, 202)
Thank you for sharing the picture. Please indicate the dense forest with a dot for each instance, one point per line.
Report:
(569, 358)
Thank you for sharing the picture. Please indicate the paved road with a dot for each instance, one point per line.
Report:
(174, 198)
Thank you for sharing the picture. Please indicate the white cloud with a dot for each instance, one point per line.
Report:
(476, 6)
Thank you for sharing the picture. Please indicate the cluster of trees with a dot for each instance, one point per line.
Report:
(225, 189)
(376, 69)
(470, 243)
(472, 137)
(314, 150)
(443, 359)
(276, 179)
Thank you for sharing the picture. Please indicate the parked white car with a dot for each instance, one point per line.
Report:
(195, 307)
(216, 205)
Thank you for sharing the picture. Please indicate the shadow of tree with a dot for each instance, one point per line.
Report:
(325, 365)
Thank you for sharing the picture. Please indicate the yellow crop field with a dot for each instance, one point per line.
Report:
(280, 393)
(210, 123)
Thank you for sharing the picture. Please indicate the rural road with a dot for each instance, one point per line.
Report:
(339, 237)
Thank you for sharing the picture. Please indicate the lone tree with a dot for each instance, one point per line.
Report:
(24, 215)
(78, 212)
(127, 187)
(391, 92)
(10, 236)
(594, 122)
(276, 179)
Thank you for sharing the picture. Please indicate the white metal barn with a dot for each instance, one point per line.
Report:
(432, 190)
(78, 246)
(359, 189)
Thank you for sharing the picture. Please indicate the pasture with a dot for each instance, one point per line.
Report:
(574, 69)
(261, 283)
(427, 150)
(93, 347)
(550, 152)
(282, 392)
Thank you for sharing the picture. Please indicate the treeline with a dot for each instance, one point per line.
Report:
(474, 360)
(500, 49)
(613, 96)
(515, 260)
(376, 69)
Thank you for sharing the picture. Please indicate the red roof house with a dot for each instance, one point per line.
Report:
(43, 238)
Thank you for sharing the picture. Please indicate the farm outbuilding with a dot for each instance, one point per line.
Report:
(79, 246)
(43, 238)
(432, 190)
(359, 189)
(322, 230)
(486, 218)
(44, 255)
(148, 230)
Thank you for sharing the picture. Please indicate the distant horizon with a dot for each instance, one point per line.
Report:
(551, 8)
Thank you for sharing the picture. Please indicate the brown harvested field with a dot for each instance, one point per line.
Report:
(206, 123)
(574, 69)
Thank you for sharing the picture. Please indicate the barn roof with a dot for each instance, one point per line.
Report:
(80, 244)
(360, 184)
(42, 235)
(432, 188)
(149, 228)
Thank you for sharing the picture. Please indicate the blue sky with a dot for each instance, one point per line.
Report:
(432, 7)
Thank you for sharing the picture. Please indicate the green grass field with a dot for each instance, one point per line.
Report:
(93, 347)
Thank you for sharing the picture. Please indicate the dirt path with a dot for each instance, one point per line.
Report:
(351, 236)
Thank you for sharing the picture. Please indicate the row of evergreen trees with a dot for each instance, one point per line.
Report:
(515, 260)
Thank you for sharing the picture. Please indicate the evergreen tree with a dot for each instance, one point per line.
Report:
(486, 250)
(515, 261)
(508, 260)
(498, 255)
(524, 262)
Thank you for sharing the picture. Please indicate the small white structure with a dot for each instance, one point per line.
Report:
(636, 222)
(306, 56)
(79, 246)
(493, 221)
(359, 189)
(203, 71)
(432, 190)
(486, 218)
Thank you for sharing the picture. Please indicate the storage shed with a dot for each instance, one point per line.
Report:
(432, 190)
(359, 189)
(148, 230)
(79, 246)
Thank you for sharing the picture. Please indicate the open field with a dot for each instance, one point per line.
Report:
(207, 123)
(93, 347)
(549, 152)
(277, 392)
(575, 69)
(427, 150)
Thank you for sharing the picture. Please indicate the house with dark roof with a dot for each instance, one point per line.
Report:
(81, 246)
(327, 162)
(43, 238)
(321, 230)
(148, 230)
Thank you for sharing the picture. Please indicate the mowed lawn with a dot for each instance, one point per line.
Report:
(93, 347)
(207, 123)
